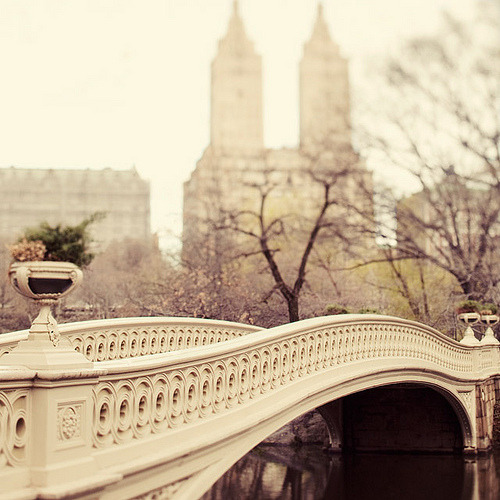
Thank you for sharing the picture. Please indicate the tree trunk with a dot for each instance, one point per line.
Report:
(475, 289)
(293, 309)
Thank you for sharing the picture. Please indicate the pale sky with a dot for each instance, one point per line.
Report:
(116, 83)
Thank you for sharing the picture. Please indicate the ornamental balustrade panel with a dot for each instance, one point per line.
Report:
(488, 359)
(104, 340)
(180, 388)
(14, 423)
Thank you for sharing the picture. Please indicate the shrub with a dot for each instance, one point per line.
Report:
(468, 306)
(368, 310)
(25, 250)
(336, 309)
(489, 308)
(57, 243)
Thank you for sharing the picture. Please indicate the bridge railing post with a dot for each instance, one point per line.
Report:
(61, 445)
(59, 418)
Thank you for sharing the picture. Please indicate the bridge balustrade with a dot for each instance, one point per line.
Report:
(140, 418)
(102, 340)
(203, 382)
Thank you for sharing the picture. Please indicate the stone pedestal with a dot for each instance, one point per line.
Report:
(59, 415)
(59, 426)
(40, 354)
(489, 336)
(469, 319)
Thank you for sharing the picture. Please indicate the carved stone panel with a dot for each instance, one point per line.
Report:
(14, 424)
(70, 423)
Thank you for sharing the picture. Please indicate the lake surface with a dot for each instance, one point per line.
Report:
(278, 472)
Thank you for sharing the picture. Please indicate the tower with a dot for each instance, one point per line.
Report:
(324, 89)
(226, 178)
(236, 99)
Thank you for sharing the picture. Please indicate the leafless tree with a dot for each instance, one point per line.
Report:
(285, 233)
(441, 126)
(114, 279)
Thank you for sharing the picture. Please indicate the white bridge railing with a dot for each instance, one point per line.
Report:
(180, 388)
(145, 407)
(108, 339)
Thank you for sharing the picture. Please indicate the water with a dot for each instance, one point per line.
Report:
(276, 472)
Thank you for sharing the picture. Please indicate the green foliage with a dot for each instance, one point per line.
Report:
(488, 306)
(468, 306)
(336, 309)
(415, 290)
(332, 309)
(368, 310)
(65, 243)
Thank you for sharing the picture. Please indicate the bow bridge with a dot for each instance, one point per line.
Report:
(162, 407)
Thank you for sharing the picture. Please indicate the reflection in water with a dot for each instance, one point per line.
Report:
(272, 472)
(397, 476)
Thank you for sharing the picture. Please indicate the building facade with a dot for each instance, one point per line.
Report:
(67, 196)
(236, 163)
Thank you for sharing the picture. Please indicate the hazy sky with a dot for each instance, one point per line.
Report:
(97, 83)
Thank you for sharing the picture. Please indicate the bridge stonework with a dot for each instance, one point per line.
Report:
(408, 418)
(486, 397)
(152, 407)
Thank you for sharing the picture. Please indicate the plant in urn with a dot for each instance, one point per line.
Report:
(46, 267)
(467, 312)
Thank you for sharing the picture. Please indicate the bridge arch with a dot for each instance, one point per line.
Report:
(422, 417)
(333, 392)
(381, 378)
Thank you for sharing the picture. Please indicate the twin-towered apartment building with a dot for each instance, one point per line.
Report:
(236, 157)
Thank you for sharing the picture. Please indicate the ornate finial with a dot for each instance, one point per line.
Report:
(320, 30)
(320, 9)
(235, 40)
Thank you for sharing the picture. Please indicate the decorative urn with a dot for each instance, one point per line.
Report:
(469, 318)
(44, 282)
(46, 267)
(489, 320)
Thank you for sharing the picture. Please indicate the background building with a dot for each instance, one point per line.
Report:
(236, 159)
(66, 196)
